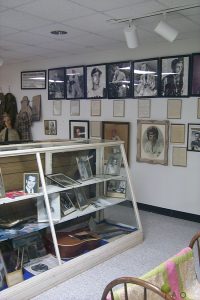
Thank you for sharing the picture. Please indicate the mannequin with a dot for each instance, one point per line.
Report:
(8, 133)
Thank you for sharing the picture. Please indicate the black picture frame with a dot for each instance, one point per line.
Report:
(195, 75)
(33, 80)
(56, 83)
(78, 129)
(173, 84)
(33, 186)
(119, 80)
(75, 82)
(146, 78)
(98, 73)
(193, 137)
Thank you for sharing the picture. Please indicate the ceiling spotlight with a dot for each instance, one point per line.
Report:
(131, 37)
(166, 31)
(1, 61)
(58, 32)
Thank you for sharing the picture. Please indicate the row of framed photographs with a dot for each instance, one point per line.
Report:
(172, 76)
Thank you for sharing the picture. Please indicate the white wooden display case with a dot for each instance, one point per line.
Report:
(38, 284)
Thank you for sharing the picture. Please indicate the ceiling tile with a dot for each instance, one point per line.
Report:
(177, 3)
(27, 38)
(14, 3)
(5, 31)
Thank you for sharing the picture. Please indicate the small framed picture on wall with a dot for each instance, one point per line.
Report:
(193, 141)
(78, 129)
(50, 127)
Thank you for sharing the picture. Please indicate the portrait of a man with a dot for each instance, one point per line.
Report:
(96, 81)
(31, 183)
(56, 83)
(193, 143)
(75, 82)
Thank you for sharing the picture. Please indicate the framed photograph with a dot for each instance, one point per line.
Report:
(31, 183)
(119, 80)
(75, 82)
(54, 202)
(118, 108)
(57, 107)
(50, 127)
(145, 78)
(36, 108)
(74, 107)
(174, 76)
(96, 81)
(32, 80)
(95, 108)
(116, 188)
(179, 157)
(78, 129)
(152, 141)
(193, 140)
(117, 131)
(96, 129)
(84, 167)
(81, 198)
(114, 163)
(56, 83)
(174, 108)
(61, 179)
(144, 108)
(66, 203)
(177, 133)
(2, 189)
(195, 86)
(198, 108)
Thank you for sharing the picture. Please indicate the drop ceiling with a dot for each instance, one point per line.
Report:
(25, 25)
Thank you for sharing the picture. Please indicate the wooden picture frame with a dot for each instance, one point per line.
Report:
(119, 80)
(75, 82)
(116, 188)
(54, 203)
(31, 183)
(174, 107)
(96, 81)
(152, 141)
(75, 107)
(177, 133)
(33, 80)
(179, 157)
(56, 83)
(78, 129)
(144, 108)
(96, 129)
(145, 78)
(195, 74)
(118, 108)
(57, 107)
(193, 137)
(95, 108)
(174, 80)
(50, 127)
(2, 188)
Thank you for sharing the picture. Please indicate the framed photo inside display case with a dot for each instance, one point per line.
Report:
(145, 78)
(152, 141)
(116, 188)
(119, 80)
(66, 203)
(84, 167)
(96, 81)
(56, 83)
(78, 129)
(81, 198)
(54, 202)
(32, 80)
(2, 189)
(31, 183)
(195, 86)
(174, 76)
(75, 82)
(61, 179)
(193, 140)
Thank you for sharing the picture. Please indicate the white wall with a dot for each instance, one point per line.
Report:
(164, 186)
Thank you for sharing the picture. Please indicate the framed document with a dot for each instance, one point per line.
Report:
(179, 156)
(32, 80)
(118, 108)
(74, 107)
(95, 107)
(177, 133)
(57, 107)
(144, 108)
(174, 108)
(95, 129)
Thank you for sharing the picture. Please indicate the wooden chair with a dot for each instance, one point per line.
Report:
(196, 241)
(132, 280)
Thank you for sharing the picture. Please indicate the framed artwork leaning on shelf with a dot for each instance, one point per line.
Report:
(114, 162)
(54, 202)
(31, 183)
(116, 188)
(61, 179)
(66, 204)
(81, 198)
(84, 167)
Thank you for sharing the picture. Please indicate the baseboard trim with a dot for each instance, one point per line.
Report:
(169, 212)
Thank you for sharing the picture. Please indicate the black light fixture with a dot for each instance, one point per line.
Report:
(59, 32)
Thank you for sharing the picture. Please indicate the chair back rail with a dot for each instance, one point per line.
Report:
(195, 241)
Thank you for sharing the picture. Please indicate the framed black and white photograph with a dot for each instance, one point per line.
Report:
(50, 127)
(31, 183)
(54, 203)
(75, 82)
(57, 107)
(66, 203)
(56, 83)
(32, 80)
(78, 129)
(152, 141)
(61, 179)
(119, 80)
(85, 171)
(195, 86)
(193, 140)
(145, 78)
(2, 189)
(116, 188)
(113, 165)
(179, 156)
(81, 198)
(75, 107)
(175, 76)
(96, 81)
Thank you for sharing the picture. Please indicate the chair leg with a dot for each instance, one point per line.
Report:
(145, 294)
(126, 291)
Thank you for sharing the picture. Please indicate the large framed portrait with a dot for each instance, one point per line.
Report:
(117, 131)
(56, 83)
(193, 140)
(145, 78)
(174, 76)
(119, 80)
(152, 141)
(33, 80)
(195, 86)
(78, 129)
(96, 81)
(75, 82)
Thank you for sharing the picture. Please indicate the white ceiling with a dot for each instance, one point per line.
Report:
(25, 25)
